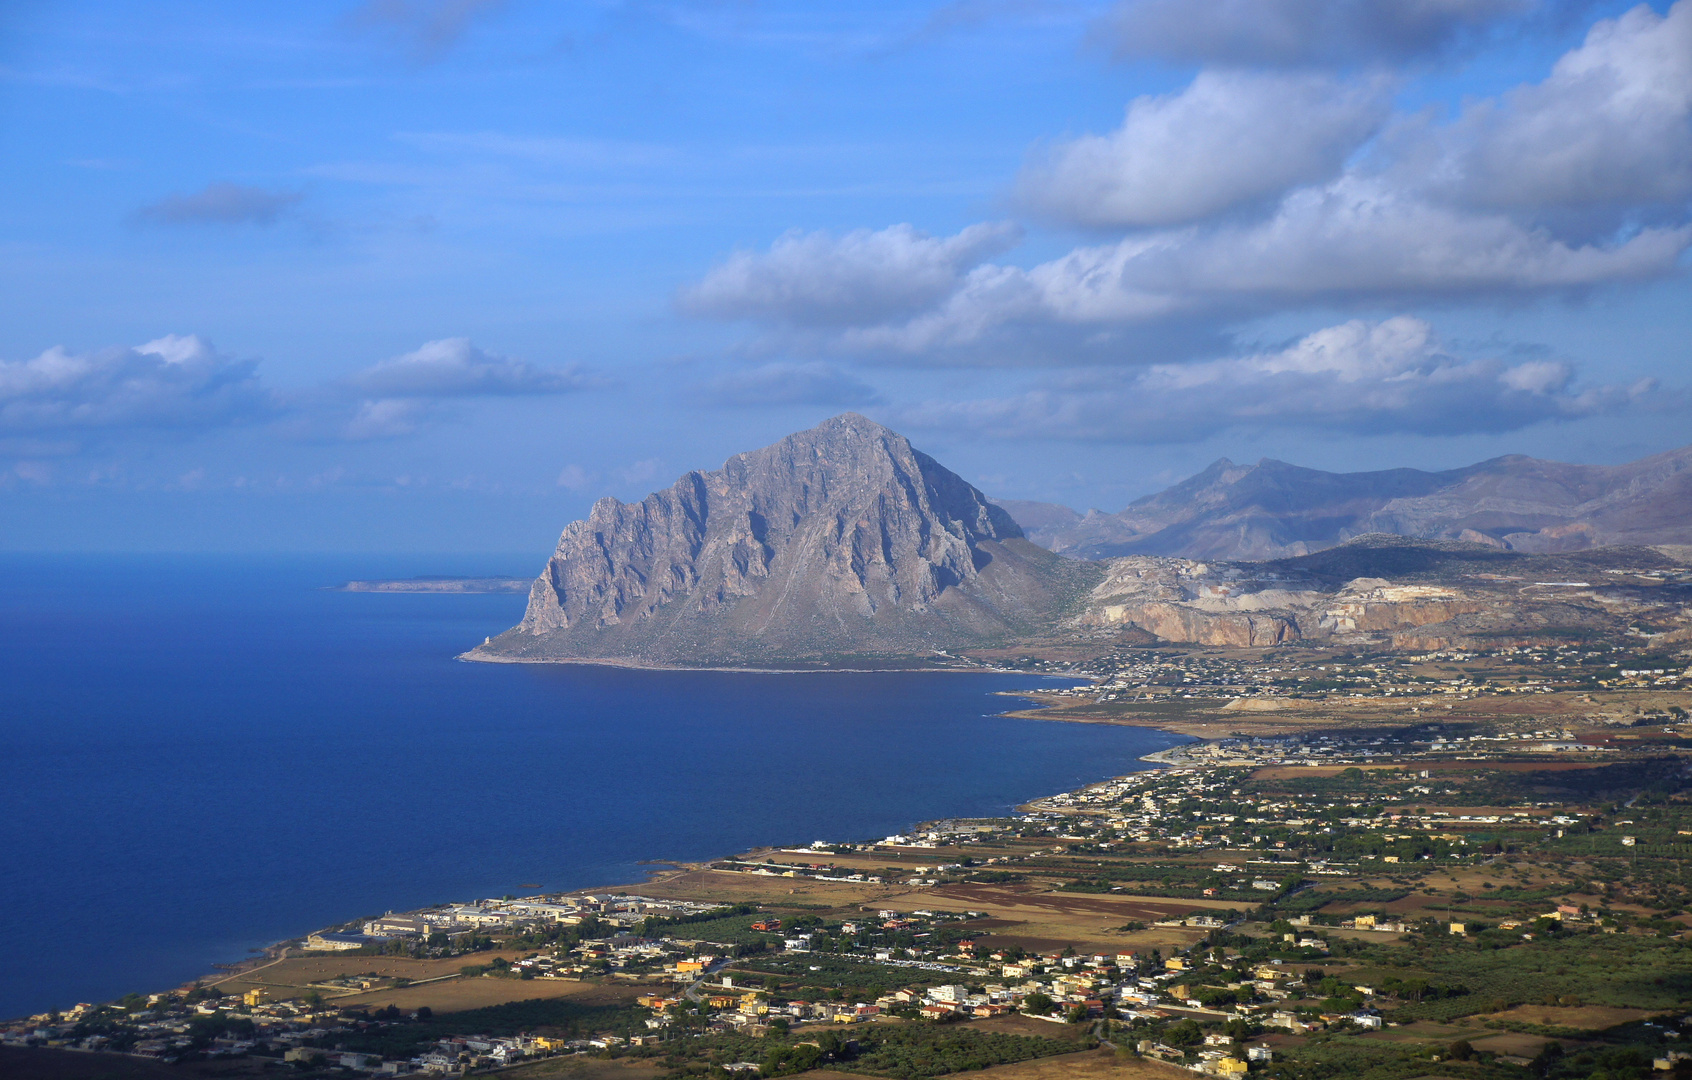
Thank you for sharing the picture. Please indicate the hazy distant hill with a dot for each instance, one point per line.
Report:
(838, 542)
(1272, 510)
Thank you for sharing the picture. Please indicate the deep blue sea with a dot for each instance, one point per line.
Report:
(202, 755)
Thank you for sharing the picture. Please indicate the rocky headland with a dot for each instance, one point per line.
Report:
(839, 545)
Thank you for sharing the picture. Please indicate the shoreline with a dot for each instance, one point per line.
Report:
(469, 657)
(661, 870)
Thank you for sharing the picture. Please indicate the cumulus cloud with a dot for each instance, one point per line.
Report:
(1355, 240)
(1298, 32)
(1574, 182)
(179, 383)
(817, 278)
(1360, 377)
(398, 397)
(814, 383)
(1229, 138)
(222, 204)
(1610, 128)
(453, 367)
(425, 28)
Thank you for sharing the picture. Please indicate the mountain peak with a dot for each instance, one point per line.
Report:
(842, 539)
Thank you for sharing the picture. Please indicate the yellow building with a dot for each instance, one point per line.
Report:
(1175, 963)
(1230, 1067)
(253, 997)
(753, 1005)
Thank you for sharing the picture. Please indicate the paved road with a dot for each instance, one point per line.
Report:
(692, 991)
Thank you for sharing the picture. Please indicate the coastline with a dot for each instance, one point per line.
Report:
(662, 871)
(470, 657)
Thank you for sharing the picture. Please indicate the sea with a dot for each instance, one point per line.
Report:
(202, 755)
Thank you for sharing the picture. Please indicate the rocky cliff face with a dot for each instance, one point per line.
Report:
(838, 542)
(1273, 510)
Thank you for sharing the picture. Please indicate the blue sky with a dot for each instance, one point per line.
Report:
(435, 274)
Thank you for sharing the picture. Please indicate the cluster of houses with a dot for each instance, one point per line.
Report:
(482, 916)
(163, 1028)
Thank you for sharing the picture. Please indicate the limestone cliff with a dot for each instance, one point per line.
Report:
(835, 543)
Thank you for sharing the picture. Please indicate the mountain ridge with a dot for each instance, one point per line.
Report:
(1275, 510)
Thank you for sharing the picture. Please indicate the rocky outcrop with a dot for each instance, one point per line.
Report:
(838, 542)
(1274, 510)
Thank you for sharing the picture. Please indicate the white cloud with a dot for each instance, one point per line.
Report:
(814, 383)
(820, 279)
(453, 367)
(1576, 182)
(1228, 138)
(223, 204)
(385, 418)
(1298, 32)
(576, 478)
(1355, 240)
(1611, 127)
(180, 383)
(1359, 377)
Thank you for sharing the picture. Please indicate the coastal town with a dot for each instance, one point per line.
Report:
(1498, 889)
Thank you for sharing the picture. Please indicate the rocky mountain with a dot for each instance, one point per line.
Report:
(836, 543)
(1273, 510)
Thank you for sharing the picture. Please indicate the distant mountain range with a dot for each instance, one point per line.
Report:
(1272, 510)
(845, 546)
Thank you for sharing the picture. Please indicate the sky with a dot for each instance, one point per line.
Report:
(434, 275)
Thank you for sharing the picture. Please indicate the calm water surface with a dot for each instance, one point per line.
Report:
(199, 756)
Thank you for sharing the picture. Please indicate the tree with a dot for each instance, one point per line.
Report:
(1037, 1003)
(1460, 1050)
(1183, 1033)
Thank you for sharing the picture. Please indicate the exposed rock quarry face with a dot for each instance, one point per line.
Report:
(1273, 510)
(835, 542)
(1180, 600)
(1448, 594)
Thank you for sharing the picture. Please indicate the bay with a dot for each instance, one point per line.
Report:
(202, 755)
